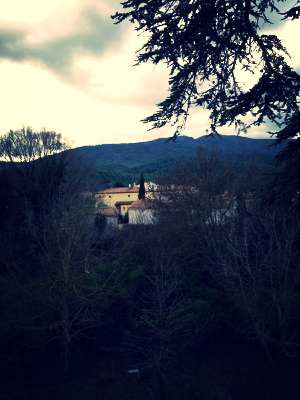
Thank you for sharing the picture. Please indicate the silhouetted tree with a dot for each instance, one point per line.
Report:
(257, 260)
(199, 190)
(206, 45)
(164, 318)
(142, 191)
(58, 301)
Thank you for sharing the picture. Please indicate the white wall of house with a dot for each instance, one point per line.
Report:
(141, 216)
(112, 221)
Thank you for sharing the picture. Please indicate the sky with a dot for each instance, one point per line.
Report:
(66, 66)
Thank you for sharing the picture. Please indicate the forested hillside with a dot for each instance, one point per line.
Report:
(126, 161)
(135, 154)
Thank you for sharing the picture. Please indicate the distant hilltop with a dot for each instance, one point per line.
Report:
(135, 154)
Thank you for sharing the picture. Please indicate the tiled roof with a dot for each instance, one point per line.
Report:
(121, 190)
(108, 212)
(123, 203)
(118, 190)
(142, 204)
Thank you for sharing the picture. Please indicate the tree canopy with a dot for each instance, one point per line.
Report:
(35, 162)
(26, 145)
(209, 46)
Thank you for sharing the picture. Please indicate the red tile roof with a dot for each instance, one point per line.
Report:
(142, 204)
(123, 203)
(121, 190)
(108, 212)
(118, 190)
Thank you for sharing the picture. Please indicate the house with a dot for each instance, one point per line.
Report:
(110, 216)
(142, 212)
(111, 219)
(121, 198)
(122, 207)
(188, 205)
(112, 195)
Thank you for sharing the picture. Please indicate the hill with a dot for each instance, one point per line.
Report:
(135, 154)
(125, 161)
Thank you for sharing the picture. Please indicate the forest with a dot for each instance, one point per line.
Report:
(125, 161)
(204, 304)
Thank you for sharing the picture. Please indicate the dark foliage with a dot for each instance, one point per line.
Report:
(127, 156)
(119, 183)
(206, 44)
(100, 222)
(122, 162)
(182, 300)
(142, 190)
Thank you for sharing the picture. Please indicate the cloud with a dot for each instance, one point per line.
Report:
(66, 65)
(31, 96)
(79, 44)
(55, 43)
(82, 47)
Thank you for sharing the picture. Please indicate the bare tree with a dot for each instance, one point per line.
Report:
(163, 320)
(25, 145)
(198, 191)
(258, 263)
(57, 291)
(36, 162)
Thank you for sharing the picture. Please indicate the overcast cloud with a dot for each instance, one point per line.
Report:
(65, 65)
(60, 40)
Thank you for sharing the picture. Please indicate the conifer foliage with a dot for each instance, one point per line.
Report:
(209, 47)
(142, 190)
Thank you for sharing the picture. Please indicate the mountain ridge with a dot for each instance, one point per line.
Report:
(125, 161)
(135, 154)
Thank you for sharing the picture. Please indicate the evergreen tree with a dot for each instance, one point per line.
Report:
(142, 190)
(206, 44)
(209, 47)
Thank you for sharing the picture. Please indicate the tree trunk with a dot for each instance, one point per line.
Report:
(161, 385)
